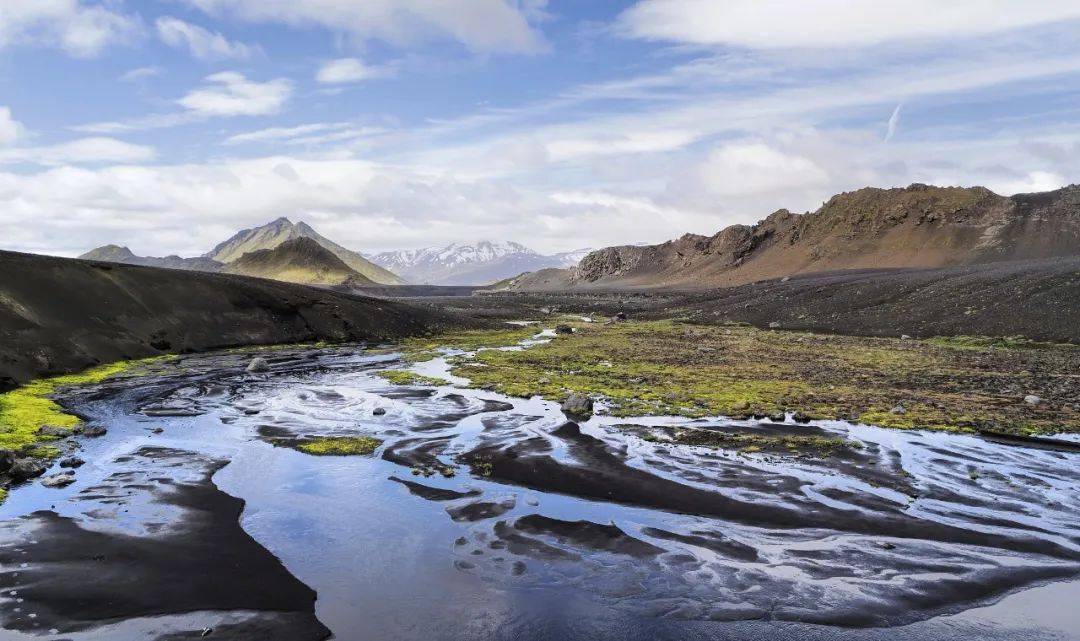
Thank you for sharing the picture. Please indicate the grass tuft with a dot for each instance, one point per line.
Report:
(339, 445)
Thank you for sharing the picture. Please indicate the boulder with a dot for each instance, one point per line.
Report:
(94, 431)
(774, 325)
(379, 411)
(24, 469)
(1031, 399)
(62, 479)
(258, 365)
(564, 329)
(620, 316)
(72, 462)
(898, 410)
(7, 459)
(578, 406)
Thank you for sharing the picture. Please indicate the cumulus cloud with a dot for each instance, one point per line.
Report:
(203, 44)
(345, 70)
(749, 168)
(96, 150)
(79, 29)
(770, 24)
(231, 94)
(480, 25)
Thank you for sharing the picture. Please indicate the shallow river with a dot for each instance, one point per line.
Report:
(545, 530)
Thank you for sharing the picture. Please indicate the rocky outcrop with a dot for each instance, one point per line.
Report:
(916, 226)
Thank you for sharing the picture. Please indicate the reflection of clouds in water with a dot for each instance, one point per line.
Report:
(904, 527)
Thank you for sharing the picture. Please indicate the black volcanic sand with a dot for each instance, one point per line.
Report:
(197, 559)
(655, 536)
(59, 315)
(1039, 299)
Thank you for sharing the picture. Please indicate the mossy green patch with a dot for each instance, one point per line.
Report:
(339, 445)
(992, 342)
(426, 348)
(669, 367)
(405, 377)
(25, 410)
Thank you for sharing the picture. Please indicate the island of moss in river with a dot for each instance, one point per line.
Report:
(674, 368)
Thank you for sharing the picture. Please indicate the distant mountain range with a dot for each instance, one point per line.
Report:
(915, 226)
(479, 263)
(280, 250)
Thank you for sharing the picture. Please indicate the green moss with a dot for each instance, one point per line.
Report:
(423, 349)
(758, 442)
(992, 342)
(339, 445)
(670, 367)
(405, 377)
(23, 411)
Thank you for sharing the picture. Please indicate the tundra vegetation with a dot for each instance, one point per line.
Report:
(675, 368)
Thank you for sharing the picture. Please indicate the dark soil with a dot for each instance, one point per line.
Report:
(1038, 299)
(82, 578)
(60, 315)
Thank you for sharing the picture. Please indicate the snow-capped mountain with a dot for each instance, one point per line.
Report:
(477, 263)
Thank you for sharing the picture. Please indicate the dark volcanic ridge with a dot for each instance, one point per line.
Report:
(916, 226)
(61, 315)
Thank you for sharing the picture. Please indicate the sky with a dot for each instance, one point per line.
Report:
(167, 125)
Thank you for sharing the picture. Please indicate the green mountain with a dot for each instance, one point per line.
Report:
(281, 230)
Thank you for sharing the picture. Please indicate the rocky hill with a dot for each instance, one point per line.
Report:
(59, 315)
(268, 236)
(281, 230)
(118, 254)
(916, 226)
(300, 260)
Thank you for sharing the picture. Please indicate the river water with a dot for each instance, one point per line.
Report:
(545, 529)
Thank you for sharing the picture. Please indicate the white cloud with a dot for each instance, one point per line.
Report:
(770, 24)
(97, 150)
(894, 122)
(481, 25)
(231, 94)
(10, 129)
(203, 44)
(77, 28)
(741, 169)
(140, 73)
(309, 134)
(345, 70)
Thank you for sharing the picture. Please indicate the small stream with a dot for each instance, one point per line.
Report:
(488, 517)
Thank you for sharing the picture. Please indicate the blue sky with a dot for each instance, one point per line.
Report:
(165, 125)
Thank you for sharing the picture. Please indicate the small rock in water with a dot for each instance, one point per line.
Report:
(379, 411)
(578, 405)
(899, 409)
(799, 417)
(26, 468)
(258, 365)
(59, 480)
(72, 461)
(564, 329)
(206, 632)
(7, 459)
(1031, 399)
(885, 545)
(158, 430)
(93, 431)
